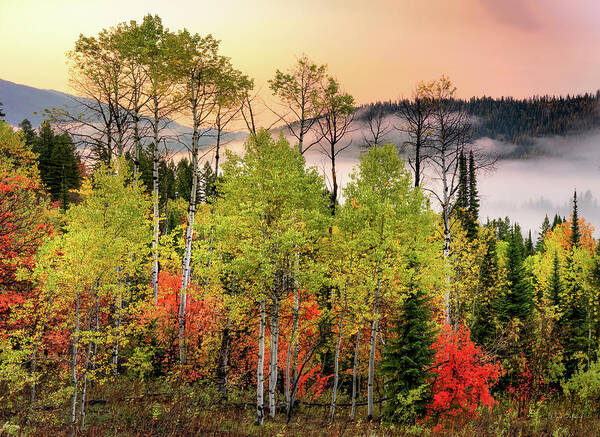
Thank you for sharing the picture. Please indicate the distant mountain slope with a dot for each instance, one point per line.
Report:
(22, 101)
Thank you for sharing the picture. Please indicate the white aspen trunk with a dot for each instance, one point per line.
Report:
(355, 388)
(115, 357)
(260, 414)
(446, 219)
(155, 209)
(293, 344)
(374, 330)
(75, 352)
(85, 378)
(274, 347)
(336, 367)
(189, 234)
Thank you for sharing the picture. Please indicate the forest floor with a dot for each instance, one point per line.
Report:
(199, 411)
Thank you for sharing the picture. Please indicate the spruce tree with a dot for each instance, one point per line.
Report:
(518, 300)
(462, 196)
(59, 163)
(408, 356)
(539, 246)
(483, 327)
(555, 286)
(27, 128)
(574, 321)
(557, 221)
(183, 177)
(575, 233)
(529, 249)
(473, 215)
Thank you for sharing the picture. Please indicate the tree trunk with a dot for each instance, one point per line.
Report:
(115, 357)
(447, 237)
(355, 388)
(374, 330)
(85, 376)
(75, 352)
(155, 201)
(224, 360)
(292, 354)
(189, 234)
(260, 414)
(334, 183)
(274, 347)
(336, 367)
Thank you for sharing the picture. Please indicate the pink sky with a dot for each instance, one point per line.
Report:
(378, 48)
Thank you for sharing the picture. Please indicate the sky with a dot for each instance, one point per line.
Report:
(378, 49)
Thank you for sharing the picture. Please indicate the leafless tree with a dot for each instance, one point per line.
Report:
(416, 122)
(334, 123)
(378, 127)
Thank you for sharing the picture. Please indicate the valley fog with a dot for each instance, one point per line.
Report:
(525, 190)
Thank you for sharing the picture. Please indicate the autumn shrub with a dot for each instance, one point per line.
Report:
(583, 389)
(463, 378)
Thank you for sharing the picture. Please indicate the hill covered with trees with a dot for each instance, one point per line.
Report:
(517, 121)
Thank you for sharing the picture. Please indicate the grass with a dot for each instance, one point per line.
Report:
(163, 409)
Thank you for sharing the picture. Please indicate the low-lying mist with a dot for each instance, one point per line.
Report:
(525, 190)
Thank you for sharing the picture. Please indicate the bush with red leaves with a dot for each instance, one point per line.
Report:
(463, 378)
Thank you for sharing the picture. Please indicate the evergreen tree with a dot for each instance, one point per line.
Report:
(462, 196)
(483, 327)
(408, 357)
(183, 179)
(473, 200)
(518, 300)
(574, 321)
(2, 114)
(529, 249)
(59, 162)
(28, 131)
(575, 233)
(557, 221)
(555, 286)
(539, 246)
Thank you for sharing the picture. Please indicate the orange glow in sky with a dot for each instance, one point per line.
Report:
(378, 49)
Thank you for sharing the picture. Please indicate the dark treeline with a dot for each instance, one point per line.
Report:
(519, 121)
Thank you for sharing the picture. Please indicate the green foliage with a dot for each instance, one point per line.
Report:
(407, 359)
(583, 388)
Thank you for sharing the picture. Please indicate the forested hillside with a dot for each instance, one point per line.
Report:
(254, 295)
(518, 121)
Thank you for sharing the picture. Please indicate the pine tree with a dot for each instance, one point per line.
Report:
(529, 248)
(575, 233)
(28, 131)
(58, 161)
(518, 299)
(574, 321)
(555, 287)
(557, 221)
(483, 327)
(462, 197)
(539, 246)
(473, 200)
(408, 356)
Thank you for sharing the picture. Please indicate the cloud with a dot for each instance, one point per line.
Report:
(515, 13)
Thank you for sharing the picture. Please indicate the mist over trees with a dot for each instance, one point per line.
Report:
(252, 293)
(515, 121)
